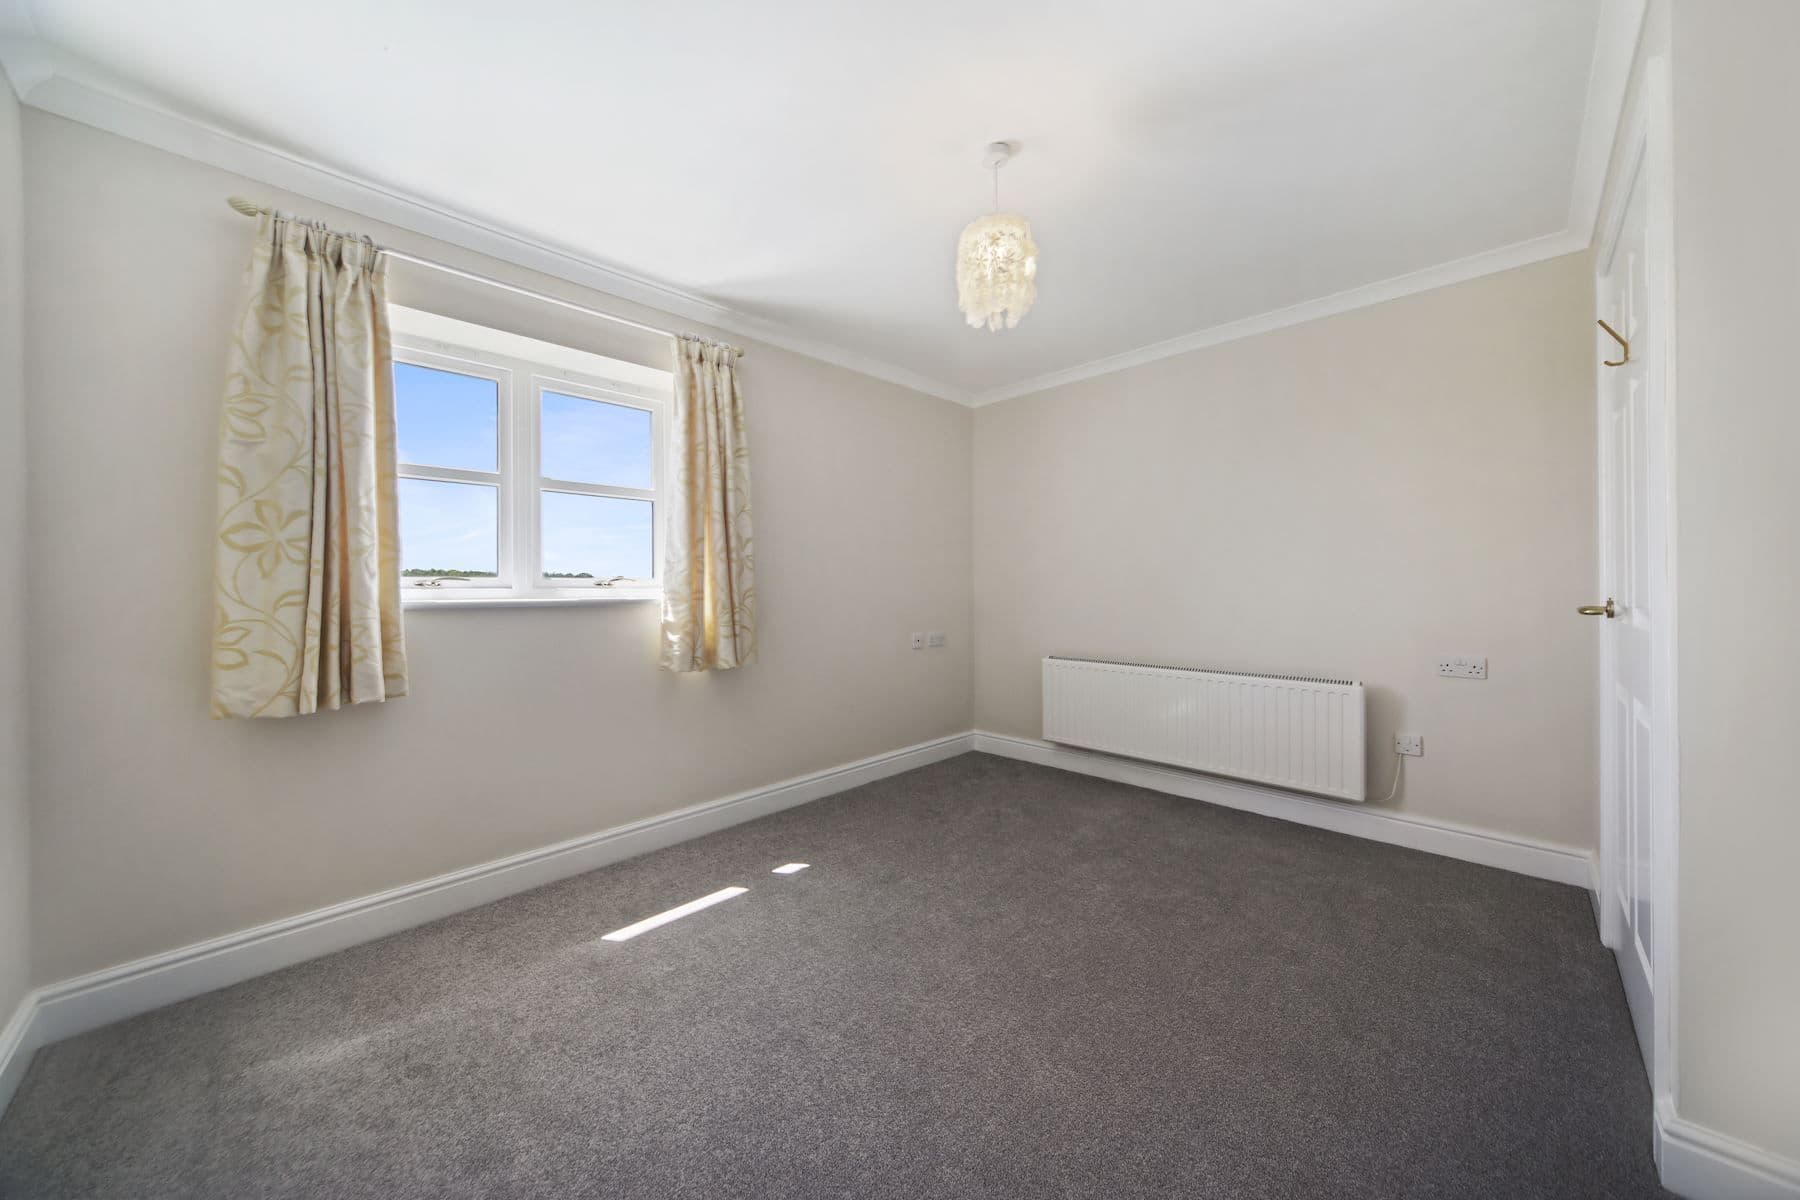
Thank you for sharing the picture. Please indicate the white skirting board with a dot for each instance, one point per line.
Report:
(15, 1053)
(1701, 1164)
(62, 1010)
(1564, 864)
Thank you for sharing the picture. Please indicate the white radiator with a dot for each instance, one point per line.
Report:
(1305, 734)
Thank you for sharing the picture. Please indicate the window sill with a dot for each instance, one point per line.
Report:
(467, 600)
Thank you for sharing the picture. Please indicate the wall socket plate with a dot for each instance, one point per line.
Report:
(1410, 744)
(1461, 666)
(918, 641)
(935, 638)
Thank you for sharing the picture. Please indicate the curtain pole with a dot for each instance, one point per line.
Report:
(250, 209)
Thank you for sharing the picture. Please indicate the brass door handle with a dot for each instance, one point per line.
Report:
(1598, 610)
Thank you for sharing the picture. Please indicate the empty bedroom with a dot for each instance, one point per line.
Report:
(819, 600)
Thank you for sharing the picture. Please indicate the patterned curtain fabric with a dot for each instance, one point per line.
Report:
(307, 577)
(709, 574)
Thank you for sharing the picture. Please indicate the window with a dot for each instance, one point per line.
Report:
(529, 472)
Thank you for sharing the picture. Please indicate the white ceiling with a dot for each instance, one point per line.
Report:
(1184, 163)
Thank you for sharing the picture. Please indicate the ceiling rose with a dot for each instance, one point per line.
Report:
(996, 260)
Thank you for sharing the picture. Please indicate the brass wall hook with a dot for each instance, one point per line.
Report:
(1623, 345)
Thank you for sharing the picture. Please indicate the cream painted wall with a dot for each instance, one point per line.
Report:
(14, 826)
(1351, 497)
(1737, 421)
(156, 826)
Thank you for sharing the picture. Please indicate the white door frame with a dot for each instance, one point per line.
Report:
(1645, 147)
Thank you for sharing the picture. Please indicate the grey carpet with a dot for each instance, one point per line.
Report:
(996, 980)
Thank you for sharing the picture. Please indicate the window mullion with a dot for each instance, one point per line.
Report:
(534, 478)
(521, 490)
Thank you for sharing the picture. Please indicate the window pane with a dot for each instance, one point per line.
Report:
(444, 419)
(596, 537)
(590, 441)
(449, 528)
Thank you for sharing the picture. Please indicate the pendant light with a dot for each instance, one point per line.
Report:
(996, 260)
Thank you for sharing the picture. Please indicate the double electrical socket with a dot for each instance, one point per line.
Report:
(1462, 667)
(934, 639)
(1410, 744)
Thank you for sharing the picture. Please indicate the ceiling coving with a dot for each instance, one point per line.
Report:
(996, 260)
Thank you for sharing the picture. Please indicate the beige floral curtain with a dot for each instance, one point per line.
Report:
(709, 574)
(307, 577)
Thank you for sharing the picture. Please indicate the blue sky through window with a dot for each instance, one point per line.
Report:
(600, 536)
(445, 419)
(590, 441)
(449, 528)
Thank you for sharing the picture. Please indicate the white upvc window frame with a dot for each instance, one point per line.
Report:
(520, 481)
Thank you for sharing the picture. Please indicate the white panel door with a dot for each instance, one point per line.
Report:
(1634, 685)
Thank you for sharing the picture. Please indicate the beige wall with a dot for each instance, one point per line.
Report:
(14, 833)
(1737, 423)
(1352, 496)
(156, 826)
